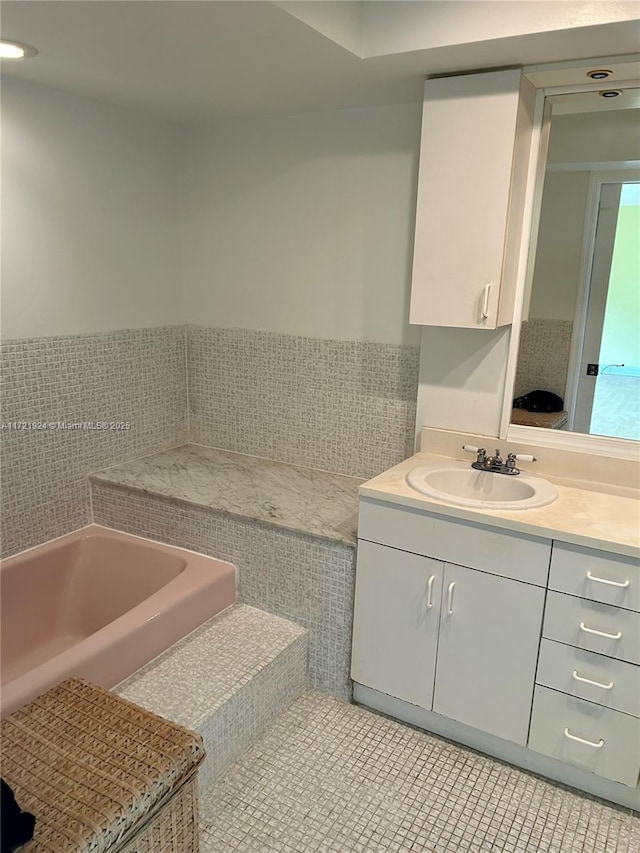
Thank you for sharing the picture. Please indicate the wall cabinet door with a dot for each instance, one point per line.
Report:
(396, 616)
(474, 156)
(487, 653)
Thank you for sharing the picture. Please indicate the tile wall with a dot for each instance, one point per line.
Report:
(134, 376)
(543, 359)
(343, 406)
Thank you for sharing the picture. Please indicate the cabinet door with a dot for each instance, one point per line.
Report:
(473, 159)
(395, 625)
(488, 647)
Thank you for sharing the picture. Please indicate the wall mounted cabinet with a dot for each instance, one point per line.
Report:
(474, 158)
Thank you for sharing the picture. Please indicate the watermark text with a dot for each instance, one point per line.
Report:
(65, 426)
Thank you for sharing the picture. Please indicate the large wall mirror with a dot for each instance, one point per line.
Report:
(579, 356)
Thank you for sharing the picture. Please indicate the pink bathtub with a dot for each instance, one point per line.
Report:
(100, 604)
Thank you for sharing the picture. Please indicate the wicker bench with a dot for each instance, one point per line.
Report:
(102, 774)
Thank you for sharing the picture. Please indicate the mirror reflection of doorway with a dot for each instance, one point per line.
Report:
(592, 141)
(607, 371)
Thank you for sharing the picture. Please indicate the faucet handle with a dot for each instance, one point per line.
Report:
(482, 453)
(523, 457)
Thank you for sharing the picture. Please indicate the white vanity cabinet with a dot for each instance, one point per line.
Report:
(487, 651)
(474, 156)
(397, 615)
(514, 644)
(586, 709)
(459, 640)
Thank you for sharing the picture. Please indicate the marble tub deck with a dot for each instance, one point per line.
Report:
(277, 494)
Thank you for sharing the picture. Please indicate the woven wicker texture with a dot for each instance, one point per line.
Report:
(174, 829)
(92, 767)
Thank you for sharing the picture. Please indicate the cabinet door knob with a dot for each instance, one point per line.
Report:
(581, 678)
(597, 745)
(430, 583)
(587, 630)
(452, 586)
(622, 585)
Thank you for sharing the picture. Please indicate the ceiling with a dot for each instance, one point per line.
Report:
(202, 60)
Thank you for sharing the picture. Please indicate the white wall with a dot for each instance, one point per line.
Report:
(303, 224)
(598, 136)
(90, 216)
(559, 249)
(300, 224)
(462, 379)
(341, 22)
(604, 136)
(397, 27)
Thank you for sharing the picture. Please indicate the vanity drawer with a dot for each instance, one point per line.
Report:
(595, 575)
(517, 556)
(597, 739)
(590, 625)
(599, 679)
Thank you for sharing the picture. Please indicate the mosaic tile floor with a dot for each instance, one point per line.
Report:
(334, 778)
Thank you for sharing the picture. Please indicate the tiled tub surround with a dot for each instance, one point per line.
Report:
(289, 531)
(543, 358)
(228, 680)
(344, 406)
(135, 376)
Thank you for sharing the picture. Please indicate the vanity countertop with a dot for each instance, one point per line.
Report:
(580, 514)
(278, 494)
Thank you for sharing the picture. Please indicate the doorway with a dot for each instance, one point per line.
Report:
(607, 383)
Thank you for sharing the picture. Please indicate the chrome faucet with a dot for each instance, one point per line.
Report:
(496, 464)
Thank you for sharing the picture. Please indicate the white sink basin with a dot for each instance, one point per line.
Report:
(458, 483)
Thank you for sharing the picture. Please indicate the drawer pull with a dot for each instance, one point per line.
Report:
(452, 586)
(577, 677)
(430, 592)
(617, 636)
(598, 745)
(622, 585)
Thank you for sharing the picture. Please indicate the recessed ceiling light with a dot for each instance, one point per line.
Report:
(610, 93)
(15, 50)
(599, 74)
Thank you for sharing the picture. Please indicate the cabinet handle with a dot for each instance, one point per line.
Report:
(598, 745)
(577, 677)
(617, 636)
(430, 592)
(622, 585)
(452, 586)
(485, 302)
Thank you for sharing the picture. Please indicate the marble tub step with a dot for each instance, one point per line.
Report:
(276, 494)
(228, 680)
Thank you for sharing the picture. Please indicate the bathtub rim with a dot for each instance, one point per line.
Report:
(186, 593)
(93, 525)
